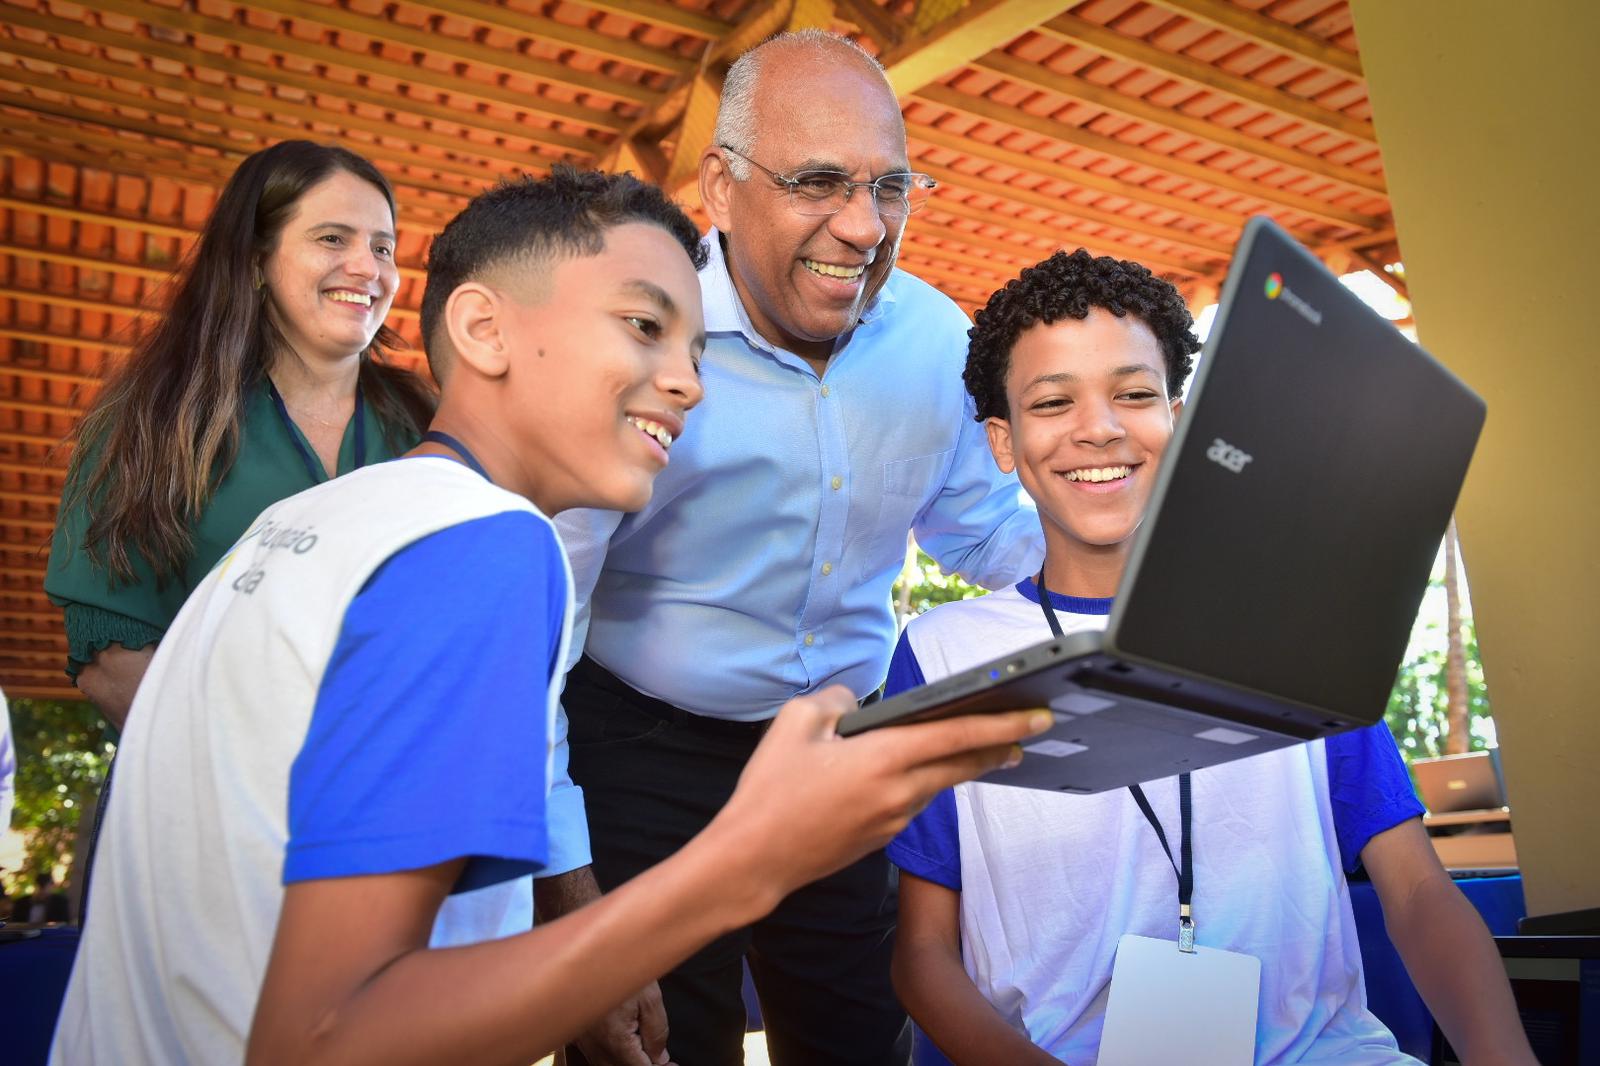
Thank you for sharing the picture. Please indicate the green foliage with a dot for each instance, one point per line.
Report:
(1418, 704)
(62, 754)
(923, 586)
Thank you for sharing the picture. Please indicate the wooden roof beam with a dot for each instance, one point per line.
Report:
(665, 15)
(1264, 30)
(97, 218)
(665, 121)
(181, 21)
(1016, 118)
(930, 52)
(317, 85)
(1232, 218)
(24, 496)
(235, 98)
(1067, 239)
(1069, 209)
(35, 468)
(85, 262)
(484, 56)
(474, 176)
(105, 151)
(106, 307)
(1103, 39)
(549, 30)
(1038, 76)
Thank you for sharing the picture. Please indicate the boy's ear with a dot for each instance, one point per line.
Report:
(716, 186)
(472, 320)
(999, 431)
(1177, 408)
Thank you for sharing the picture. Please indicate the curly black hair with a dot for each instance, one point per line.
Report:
(539, 221)
(1067, 286)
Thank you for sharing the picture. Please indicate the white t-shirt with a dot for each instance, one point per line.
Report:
(1049, 882)
(365, 684)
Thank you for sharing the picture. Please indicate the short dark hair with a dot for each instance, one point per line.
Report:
(1068, 286)
(538, 221)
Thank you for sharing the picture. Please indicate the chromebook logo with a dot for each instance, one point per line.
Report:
(1275, 289)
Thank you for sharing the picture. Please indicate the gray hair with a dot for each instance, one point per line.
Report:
(736, 112)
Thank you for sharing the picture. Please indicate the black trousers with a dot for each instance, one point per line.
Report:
(652, 777)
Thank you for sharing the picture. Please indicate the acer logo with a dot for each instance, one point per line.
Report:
(1226, 455)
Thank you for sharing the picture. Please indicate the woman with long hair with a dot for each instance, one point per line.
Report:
(264, 377)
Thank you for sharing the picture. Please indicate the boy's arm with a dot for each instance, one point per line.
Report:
(935, 989)
(1446, 947)
(350, 978)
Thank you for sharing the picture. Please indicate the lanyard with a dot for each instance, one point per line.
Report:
(1185, 814)
(313, 464)
(435, 436)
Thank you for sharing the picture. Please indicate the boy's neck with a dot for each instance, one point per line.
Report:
(488, 446)
(1087, 574)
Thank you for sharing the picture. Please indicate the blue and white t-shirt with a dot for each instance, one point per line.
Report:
(1050, 882)
(364, 685)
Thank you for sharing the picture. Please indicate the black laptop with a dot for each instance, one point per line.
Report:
(1270, 592)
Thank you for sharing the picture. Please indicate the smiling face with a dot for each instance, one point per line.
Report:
(331, 276)
(602, 366)
(804, 280)
(1089, 419)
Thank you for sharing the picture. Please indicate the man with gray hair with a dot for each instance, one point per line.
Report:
(834, 423)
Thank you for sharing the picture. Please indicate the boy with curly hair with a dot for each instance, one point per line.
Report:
(1013, 901)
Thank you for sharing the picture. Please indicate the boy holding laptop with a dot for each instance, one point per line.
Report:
(339, 761)
(1016, 903)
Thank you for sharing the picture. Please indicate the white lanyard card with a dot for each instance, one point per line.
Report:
(1169, 1006)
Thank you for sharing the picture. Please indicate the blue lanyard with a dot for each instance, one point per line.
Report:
(434, 436)
(1185, 815)
(312, 463)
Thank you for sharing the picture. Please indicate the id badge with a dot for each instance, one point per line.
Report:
(1169, 1006)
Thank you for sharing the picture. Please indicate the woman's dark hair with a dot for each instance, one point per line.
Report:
(166, 429)
(1068, 286)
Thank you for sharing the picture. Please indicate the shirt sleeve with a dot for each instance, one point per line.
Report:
(980, 525)
(1368, 787)
(930, 846)
(97, 610)
(428, 739)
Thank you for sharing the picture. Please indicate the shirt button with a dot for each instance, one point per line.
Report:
(824, 392)
(837, 483)
(810, 640)
(827, 568)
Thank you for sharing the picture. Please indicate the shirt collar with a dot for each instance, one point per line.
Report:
(725, 312)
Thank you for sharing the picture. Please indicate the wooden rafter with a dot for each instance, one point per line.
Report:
(483, 56)
(1231, 217)
(1061, 238)
(319, 87)
(116, 266)
(969, 32)
(235, 99)
(1072, 87)
(1103, 39)
(530, 26)
(1265, 30)
(1069, 209)
(342, 59)
(1112, 148)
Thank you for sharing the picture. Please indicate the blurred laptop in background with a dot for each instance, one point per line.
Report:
(1470, 782)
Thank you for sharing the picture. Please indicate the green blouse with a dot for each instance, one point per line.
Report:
(275, 461)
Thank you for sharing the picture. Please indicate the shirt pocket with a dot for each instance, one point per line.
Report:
(908, 484)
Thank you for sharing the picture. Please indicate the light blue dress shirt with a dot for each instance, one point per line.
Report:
(763, 564)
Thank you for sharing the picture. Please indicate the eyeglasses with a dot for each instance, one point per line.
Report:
(825, 192)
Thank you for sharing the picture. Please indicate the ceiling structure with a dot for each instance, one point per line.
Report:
(1145, 130)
